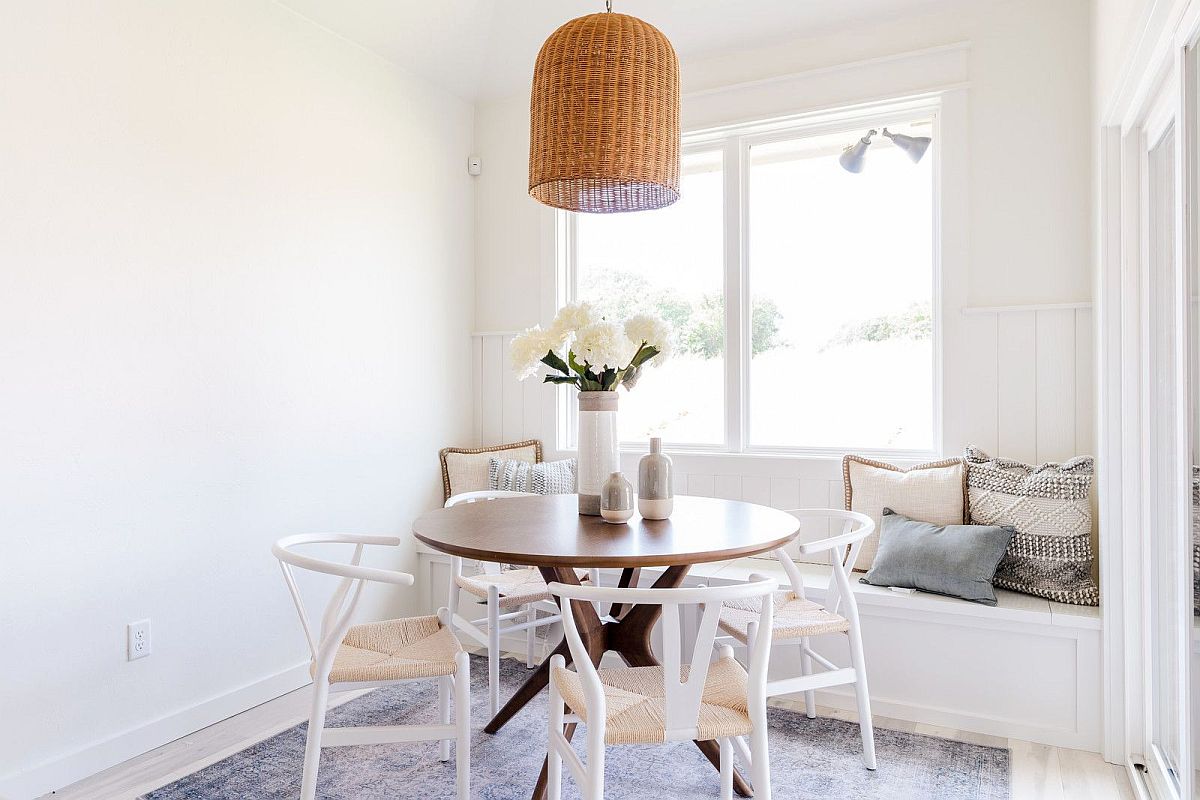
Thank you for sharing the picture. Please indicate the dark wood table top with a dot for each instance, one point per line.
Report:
(548, 531)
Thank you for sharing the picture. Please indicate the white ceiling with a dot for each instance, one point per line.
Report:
(483, 48)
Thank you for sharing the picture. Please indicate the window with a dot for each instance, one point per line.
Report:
(803, 296)
(669, 262)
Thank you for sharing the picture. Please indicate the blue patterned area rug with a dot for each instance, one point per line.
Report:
(810, 759)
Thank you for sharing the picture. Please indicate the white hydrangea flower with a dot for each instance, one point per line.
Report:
(653, 331)
(603, 344)
(527, 349)
(571, 318)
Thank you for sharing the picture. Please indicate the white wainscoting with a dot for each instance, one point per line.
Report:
(1020, 386)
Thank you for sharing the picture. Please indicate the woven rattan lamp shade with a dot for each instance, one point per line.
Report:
(604, 117)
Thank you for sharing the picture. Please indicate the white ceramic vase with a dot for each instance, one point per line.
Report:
(598, 453)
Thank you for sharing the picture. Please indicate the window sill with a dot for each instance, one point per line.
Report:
(899, 457)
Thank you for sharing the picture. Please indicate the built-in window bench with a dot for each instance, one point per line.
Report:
(1027, 668)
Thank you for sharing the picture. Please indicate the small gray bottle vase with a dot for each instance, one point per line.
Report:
(616, 499)
(656, 498)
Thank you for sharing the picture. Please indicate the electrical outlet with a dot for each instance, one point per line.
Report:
(137, 639)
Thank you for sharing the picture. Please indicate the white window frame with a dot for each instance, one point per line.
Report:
(735, 142)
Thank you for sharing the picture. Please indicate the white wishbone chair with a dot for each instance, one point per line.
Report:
(699, 699)
(797, 619)
(514, 596)
(346, 657)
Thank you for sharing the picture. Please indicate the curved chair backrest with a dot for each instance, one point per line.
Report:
(338, 614)
(843, 548)
(490, 494)
(682, 696)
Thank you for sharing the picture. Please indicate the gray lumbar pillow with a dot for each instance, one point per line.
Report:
(955, 560)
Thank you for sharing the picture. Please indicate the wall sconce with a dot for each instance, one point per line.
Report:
(854, 155)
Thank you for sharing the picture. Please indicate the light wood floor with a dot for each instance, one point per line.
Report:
(1039, 772)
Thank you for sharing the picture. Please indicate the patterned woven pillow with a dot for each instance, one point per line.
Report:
(1051, 553)
(552, 477)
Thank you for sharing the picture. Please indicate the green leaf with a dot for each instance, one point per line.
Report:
(560, 379)
(608, 380)
(581, 370)
(644, 354)
(554, 361)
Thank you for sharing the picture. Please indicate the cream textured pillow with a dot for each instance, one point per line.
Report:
(931, 492)
(466, 469)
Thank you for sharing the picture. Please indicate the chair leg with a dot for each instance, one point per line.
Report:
(444, 715)
(594, 790)
(312, 746)
(554, 731)
(760, 762)
(726, 770)
(493, 611)
(862, 693)
(806, 668)
(751, 635)
(531, 616)
(462, 721)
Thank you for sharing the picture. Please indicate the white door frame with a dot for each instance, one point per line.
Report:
(1152, 93)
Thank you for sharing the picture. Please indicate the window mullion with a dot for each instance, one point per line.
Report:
(737, 322)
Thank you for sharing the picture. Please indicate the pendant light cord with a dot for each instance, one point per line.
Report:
(608, 5)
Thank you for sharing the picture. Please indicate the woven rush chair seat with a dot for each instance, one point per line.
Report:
(636, 709)
(795, 617)
(518, 587)
(397, 649)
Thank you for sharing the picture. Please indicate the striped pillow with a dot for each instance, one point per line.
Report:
(551, 477)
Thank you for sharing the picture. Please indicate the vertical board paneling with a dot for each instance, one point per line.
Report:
(756, 489)
(837, 494)
(785, 493)
(728, 487)
(1016, 381)
(814, 493)
(701, 485)
(1085, 400)
(531, 409)
(513, 415)
(1055, 374)
(492, 391)
(477, 385)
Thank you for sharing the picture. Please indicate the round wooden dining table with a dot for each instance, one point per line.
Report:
(548, 532)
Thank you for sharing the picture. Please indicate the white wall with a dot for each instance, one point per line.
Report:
(1028, 181)
(1117, 27)
(235, 298)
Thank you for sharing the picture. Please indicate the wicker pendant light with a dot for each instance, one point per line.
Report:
(604, 117)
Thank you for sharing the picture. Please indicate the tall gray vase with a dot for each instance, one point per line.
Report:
(656, 498)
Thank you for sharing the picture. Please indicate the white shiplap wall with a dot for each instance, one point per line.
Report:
(1026, 393)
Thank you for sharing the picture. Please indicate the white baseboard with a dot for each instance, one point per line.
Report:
(65, 770)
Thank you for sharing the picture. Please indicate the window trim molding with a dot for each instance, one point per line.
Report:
(734, 141)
